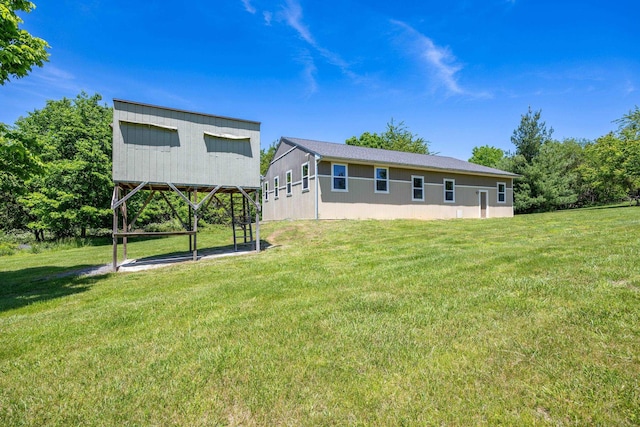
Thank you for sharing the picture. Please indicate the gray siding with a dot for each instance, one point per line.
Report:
(300, 204)
(161, 145)
(362, 201)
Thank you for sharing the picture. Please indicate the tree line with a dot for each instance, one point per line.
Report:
(570, 173)
(55, 169)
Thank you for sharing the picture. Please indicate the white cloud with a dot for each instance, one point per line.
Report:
(440, 60)
(248, 6)
(292, 13)
(267, 17)
(443, 66)
(309, 72)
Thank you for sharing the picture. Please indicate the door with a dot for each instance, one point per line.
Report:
(483, 196)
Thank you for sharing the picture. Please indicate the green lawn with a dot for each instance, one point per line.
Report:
(533, 320)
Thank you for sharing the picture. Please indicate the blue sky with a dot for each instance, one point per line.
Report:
(458, 73)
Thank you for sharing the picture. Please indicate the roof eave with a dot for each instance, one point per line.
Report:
(425, 168)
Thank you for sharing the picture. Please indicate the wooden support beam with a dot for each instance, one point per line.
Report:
(166, 199)
(114, 199)
(125, 198)
(257, 223)
(146, 202)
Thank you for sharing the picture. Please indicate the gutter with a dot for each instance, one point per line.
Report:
(317, 179)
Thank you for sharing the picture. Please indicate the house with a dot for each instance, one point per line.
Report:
(323, 180)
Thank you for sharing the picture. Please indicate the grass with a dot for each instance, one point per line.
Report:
(533, 320)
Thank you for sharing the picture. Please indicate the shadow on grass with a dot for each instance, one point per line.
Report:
(27, 286)
(183, 256)
(613, 206)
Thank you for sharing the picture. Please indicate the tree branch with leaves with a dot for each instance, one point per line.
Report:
(19, 50)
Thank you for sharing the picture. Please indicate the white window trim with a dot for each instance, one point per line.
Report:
(288, 182)
(499, 192)
(375, 180)
(413, 199)
(276, 187)
(266, 191)
(444, 194)
(346, 178)
(303, 176)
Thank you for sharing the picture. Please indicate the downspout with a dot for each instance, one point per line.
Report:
(318, 158)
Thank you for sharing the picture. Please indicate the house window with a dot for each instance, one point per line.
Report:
(449, 190)
(382, 180)
(502, 192)
(276, 187)
(289, 183)
(266, 191)
(305, 177)
(339, 176)
(417, 188)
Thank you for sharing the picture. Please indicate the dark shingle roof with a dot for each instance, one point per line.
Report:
(335, 151)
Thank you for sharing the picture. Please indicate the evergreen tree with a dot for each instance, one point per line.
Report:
(530, 135)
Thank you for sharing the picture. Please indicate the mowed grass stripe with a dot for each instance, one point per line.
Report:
(530, 320)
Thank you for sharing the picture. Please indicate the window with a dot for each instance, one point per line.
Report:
(502, 192)
(305, 177)
(288, 183)
(339, 176)
(266, 191)
(276, 187)
(381, 180)
(417, 188)
(449, 190)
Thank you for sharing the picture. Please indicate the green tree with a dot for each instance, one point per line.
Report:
(397, 137)
(629, 134)
(611, 168)
(266, 156)
(18, 163)
(19, 50)
(554, 173)
(530, 135)
(601, 169)
(73, 138)
(487, 156)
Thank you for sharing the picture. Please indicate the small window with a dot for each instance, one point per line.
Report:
(288, 183)
(305, 177)
(417, 188)
(266, 191)
(382, 180)
(502, 192)
(276, 187)
(339, 176)
(449, 190)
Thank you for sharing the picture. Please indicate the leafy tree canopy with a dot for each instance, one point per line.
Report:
(73, 139)
(19, 50)
(486, 155)
(397, 137)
